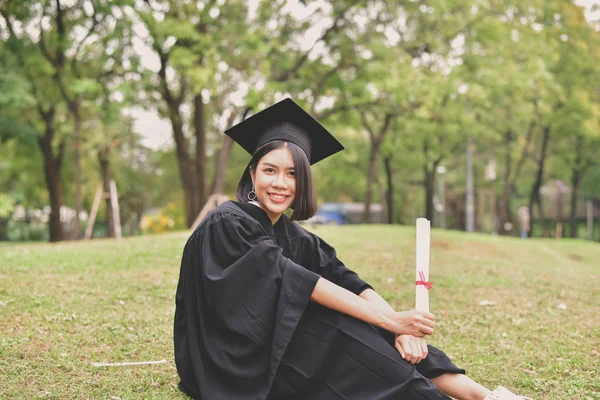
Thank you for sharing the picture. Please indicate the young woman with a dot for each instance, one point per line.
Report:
(266, 310)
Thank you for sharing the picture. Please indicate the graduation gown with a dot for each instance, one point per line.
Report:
(244, 328)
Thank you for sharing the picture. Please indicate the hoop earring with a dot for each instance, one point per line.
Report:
(252, 194)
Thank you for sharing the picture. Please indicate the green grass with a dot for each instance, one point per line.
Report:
(67, 305)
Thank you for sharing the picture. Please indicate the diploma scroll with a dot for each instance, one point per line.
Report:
(422, 284)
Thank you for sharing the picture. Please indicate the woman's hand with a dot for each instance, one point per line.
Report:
(416, 323)
(412, 349)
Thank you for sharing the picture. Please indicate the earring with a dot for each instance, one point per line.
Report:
(252, 194)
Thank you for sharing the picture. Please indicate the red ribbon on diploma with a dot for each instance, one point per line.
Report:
(423, 282)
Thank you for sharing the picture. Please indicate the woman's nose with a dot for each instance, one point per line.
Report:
(280, 181)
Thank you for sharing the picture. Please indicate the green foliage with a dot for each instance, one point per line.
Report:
(19, 173)
(14, 91)
(500, 72)
(7, 204)
(21, 231)
(85, 87)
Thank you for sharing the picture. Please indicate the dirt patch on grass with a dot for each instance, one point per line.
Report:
(441, 244)
(465, 249)
(575, 257)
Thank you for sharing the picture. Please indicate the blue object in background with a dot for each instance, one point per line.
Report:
(346, 213)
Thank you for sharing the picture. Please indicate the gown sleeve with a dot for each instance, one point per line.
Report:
(333, 269)
(237, 305)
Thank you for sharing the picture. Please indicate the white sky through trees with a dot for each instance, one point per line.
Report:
(156, 131)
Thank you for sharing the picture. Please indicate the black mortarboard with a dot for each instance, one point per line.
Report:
(285, 120)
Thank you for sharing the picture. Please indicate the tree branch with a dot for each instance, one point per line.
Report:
(42, 42)
(386, 124)
(365, 123)
(95, 23)
(525, 152)
(321, 85)
(163, 79)
(61, 151)
(337, 23)
(60, 55)
(63, 90)
(182, 91)
(162, 73)
(57, 62)
(344, 107)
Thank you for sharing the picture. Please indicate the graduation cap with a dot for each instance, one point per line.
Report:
(285, 120)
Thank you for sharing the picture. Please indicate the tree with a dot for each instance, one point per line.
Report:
(69, 56)
(188, 43)
(29, 61)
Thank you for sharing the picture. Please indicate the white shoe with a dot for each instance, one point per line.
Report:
(502, 393)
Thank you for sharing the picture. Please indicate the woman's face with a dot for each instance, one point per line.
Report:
(275, 182)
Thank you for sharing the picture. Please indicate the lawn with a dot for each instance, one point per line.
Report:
(65, 306)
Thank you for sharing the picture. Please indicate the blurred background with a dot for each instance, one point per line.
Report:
(479, 115)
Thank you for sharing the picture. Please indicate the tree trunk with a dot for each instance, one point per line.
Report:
(372, 173)
(390, 189)
(576, 176)
(429, 183)
(371, 176)
(186, 173)
(470, 195)
(573, 211)
(52, 167)
(506, 215)
(103, 159)
(505, 210)
(200, 164)
(185, 166)
(534, 196)
(3, 229)
(383, 202)
(218, 186)
(55, 193)
(78, 174)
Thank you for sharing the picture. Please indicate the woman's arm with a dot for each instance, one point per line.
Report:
(373, 297)
(330, 295)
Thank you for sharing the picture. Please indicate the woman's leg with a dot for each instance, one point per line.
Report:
(332, 355)
(460, 387)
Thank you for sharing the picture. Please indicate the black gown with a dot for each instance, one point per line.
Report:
(245, 327)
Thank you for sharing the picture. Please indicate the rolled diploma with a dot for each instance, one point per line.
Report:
(423, 238)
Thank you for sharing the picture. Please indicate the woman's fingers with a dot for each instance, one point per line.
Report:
(425, 330)
(415, 323)
(398, 345)
(407, 350)
(425, 315)
(429, 316)
(416, 351)
(424, 349)
(412, 349)
(427, 322)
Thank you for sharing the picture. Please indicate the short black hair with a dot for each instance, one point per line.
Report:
(305, 203)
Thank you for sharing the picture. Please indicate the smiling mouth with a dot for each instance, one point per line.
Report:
(278, 196)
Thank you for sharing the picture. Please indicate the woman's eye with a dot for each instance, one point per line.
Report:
(269, 170)
(292, 173)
